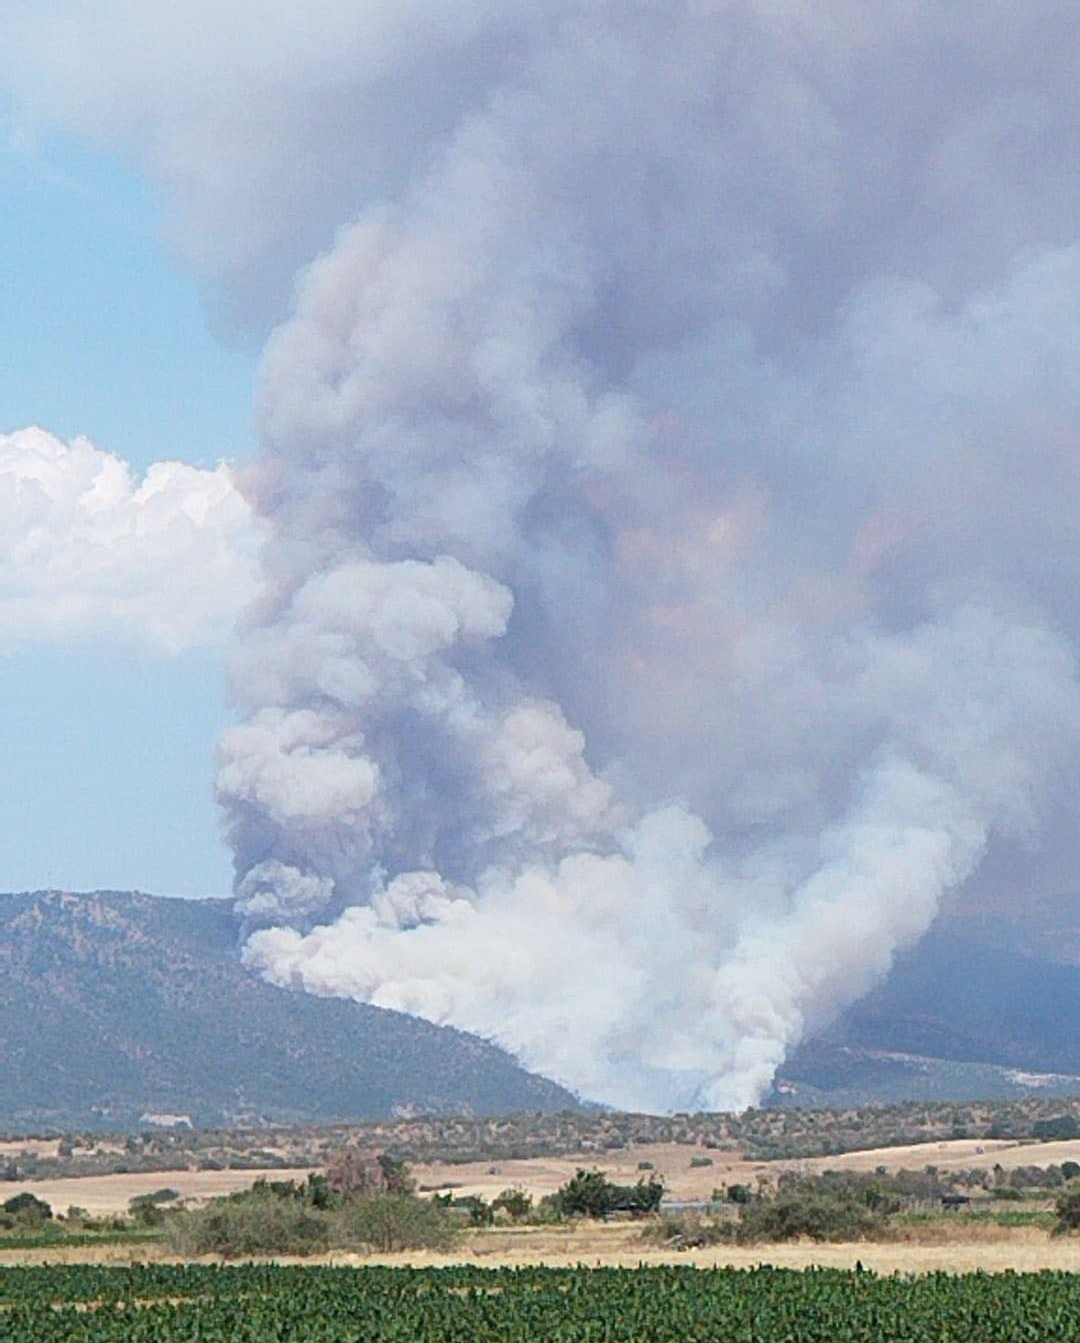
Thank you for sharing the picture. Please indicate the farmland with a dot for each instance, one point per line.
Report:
(111, 1193)
(756, 1135)
(251, 1304)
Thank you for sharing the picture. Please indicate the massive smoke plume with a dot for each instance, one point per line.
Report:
(670, 464)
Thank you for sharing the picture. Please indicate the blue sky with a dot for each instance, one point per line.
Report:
(108, 751)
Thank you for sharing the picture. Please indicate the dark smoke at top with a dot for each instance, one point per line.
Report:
(671, 463)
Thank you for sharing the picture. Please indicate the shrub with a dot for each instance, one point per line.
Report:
(352, 1172)
(548, 1212)
(514, 1202)
(696, 1162)
(389, 1222)
(252, 1224)
(686, 1231)
(479, 1212)
(146, 1208)
(1068, 1210)
(28, 1207)
(811, 1209)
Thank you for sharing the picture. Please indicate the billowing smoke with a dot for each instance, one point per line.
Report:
(671, 469)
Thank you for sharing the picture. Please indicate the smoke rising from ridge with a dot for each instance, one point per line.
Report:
(670, 461)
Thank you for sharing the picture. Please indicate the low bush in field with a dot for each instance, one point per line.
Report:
(258, 1224)
(284, 1218)
(813, 1211)
(24, 1209)
(1068, 1210)
(687, 1230)
(813, 1208)
(390, 1222)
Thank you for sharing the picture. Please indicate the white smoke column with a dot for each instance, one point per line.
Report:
(671, 470)
(656, 977)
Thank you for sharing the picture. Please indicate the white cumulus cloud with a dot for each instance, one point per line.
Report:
(90, 547)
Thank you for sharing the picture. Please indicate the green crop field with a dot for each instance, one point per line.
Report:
(276, 1304)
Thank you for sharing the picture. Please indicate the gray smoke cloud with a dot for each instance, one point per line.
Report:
(670, 461)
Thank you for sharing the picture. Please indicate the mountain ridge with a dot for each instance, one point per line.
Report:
(983, 1006)
(118, 1004)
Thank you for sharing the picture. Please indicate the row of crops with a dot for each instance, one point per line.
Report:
(280, 1304)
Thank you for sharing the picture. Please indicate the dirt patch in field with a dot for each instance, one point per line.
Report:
(39, 1147)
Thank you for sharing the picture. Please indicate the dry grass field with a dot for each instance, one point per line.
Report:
(671, 1162)
(992, 1249)
(101, 1195)
(39, 1146)
(955, 1155)
(967, 1249)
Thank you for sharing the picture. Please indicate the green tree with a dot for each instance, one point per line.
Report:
(814, 1208)
(588, 1194)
